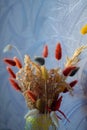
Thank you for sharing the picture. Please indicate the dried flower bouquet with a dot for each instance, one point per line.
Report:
(43, 88)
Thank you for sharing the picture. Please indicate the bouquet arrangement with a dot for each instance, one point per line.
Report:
(43, 88)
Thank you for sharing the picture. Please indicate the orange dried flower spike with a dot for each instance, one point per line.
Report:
(18, 63)
(10, 71)
(31, 95)
(58, 51)
(9, 61)
(14, 84)
(45, 51)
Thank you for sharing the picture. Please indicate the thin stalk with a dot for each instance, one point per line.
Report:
(46, 97)
(18, 53)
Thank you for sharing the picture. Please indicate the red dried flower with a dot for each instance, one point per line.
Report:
(10, 71)
(18, 63)
(45, 51)
(72, 84)
(57, 104)
(9, 61)
(31, 95)
(14, 84)
(58, 51)
(67, 71)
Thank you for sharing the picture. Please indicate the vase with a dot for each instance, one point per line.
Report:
(39, 122)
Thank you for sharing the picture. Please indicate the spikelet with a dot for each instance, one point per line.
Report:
(30, 64)
(75, 58)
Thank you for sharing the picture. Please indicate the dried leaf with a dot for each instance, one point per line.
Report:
(40, 105)
(33, 112)
(44, 72)
(54, 118)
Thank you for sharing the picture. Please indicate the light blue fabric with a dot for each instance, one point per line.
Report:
(29, 24)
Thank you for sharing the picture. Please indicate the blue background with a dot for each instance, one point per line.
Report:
(29, 24)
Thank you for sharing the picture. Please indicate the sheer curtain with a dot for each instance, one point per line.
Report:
(28, 25)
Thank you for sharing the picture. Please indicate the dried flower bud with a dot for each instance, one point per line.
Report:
(10, 71)
(45, 51)
(31, 95)
(57, 103)
(74, 71)
(40, 60)
(58, 51)
(14, 84)
(67, 71)
(72, 84)
(18, 63)
(9, 61)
